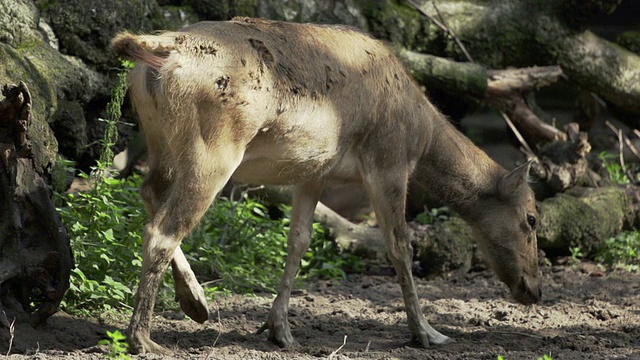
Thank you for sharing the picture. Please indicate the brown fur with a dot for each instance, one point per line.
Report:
(308, 105)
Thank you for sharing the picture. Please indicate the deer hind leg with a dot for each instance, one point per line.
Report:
(387, 191)
(200, 174)
(305, 198)
(188, 292)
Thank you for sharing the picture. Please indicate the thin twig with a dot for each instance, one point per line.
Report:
(217, 337)
(618, 133)
(12, 333)
(443, 26)
(219, 326)
(344, 342)
(632, 147)
(517, 134)
(627, 141)
(517, 333)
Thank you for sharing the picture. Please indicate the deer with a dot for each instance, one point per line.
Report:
(308, 106)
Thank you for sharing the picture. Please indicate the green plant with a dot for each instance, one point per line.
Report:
(576, 253)
(429, 217)
(238, 247)
(103, 226)
(104, 230)
(118, 345)
(617, 173)
(325, 260)
(622, 250)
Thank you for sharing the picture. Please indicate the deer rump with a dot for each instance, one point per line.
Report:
(307, 105)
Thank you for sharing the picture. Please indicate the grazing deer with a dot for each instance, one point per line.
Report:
(306, 105)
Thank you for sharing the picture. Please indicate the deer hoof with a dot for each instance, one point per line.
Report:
(141, 344)
(192, 301)
(431, 338)
(279, 333)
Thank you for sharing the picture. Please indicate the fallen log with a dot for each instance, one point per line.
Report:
(581, 217)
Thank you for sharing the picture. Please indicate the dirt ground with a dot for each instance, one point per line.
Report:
(586, 314)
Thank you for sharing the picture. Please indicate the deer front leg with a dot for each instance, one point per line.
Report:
(305, 198)
(387, 191)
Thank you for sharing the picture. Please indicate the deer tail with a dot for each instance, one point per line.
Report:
(150, 49)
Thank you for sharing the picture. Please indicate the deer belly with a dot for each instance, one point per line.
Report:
(277, 172)
(286, 160)
(302, 143)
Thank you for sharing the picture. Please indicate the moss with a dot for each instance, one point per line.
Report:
(224, 10)
(29, 45)
(43, 5)
(630, 40)
(16, 67)
(85, 27)
(396, 22)
(446, 246)
(247, 8)
(582, 217)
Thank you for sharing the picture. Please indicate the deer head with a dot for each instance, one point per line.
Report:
(505, 228)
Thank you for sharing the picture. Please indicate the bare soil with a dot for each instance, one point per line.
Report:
(586, 313)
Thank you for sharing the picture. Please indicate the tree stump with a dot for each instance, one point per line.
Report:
(35, 255)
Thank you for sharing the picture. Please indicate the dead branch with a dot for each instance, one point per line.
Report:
(36, 257)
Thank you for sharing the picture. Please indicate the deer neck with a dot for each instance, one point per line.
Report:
(456, 172)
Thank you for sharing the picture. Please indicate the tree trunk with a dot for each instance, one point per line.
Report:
(36, 260)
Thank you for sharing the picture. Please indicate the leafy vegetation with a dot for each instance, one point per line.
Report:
(576, 253)
(617, 173)
(237, 247)
(104, 227)
(429, 217)
(622, 250)
(118, 346)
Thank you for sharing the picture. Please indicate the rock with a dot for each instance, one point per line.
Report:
(85, 27)
(18, 22)
(442, 247)
(585, 218)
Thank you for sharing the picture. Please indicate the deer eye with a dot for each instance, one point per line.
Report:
(532, 221)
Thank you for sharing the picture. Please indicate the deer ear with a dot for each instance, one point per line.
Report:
(513, 181)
